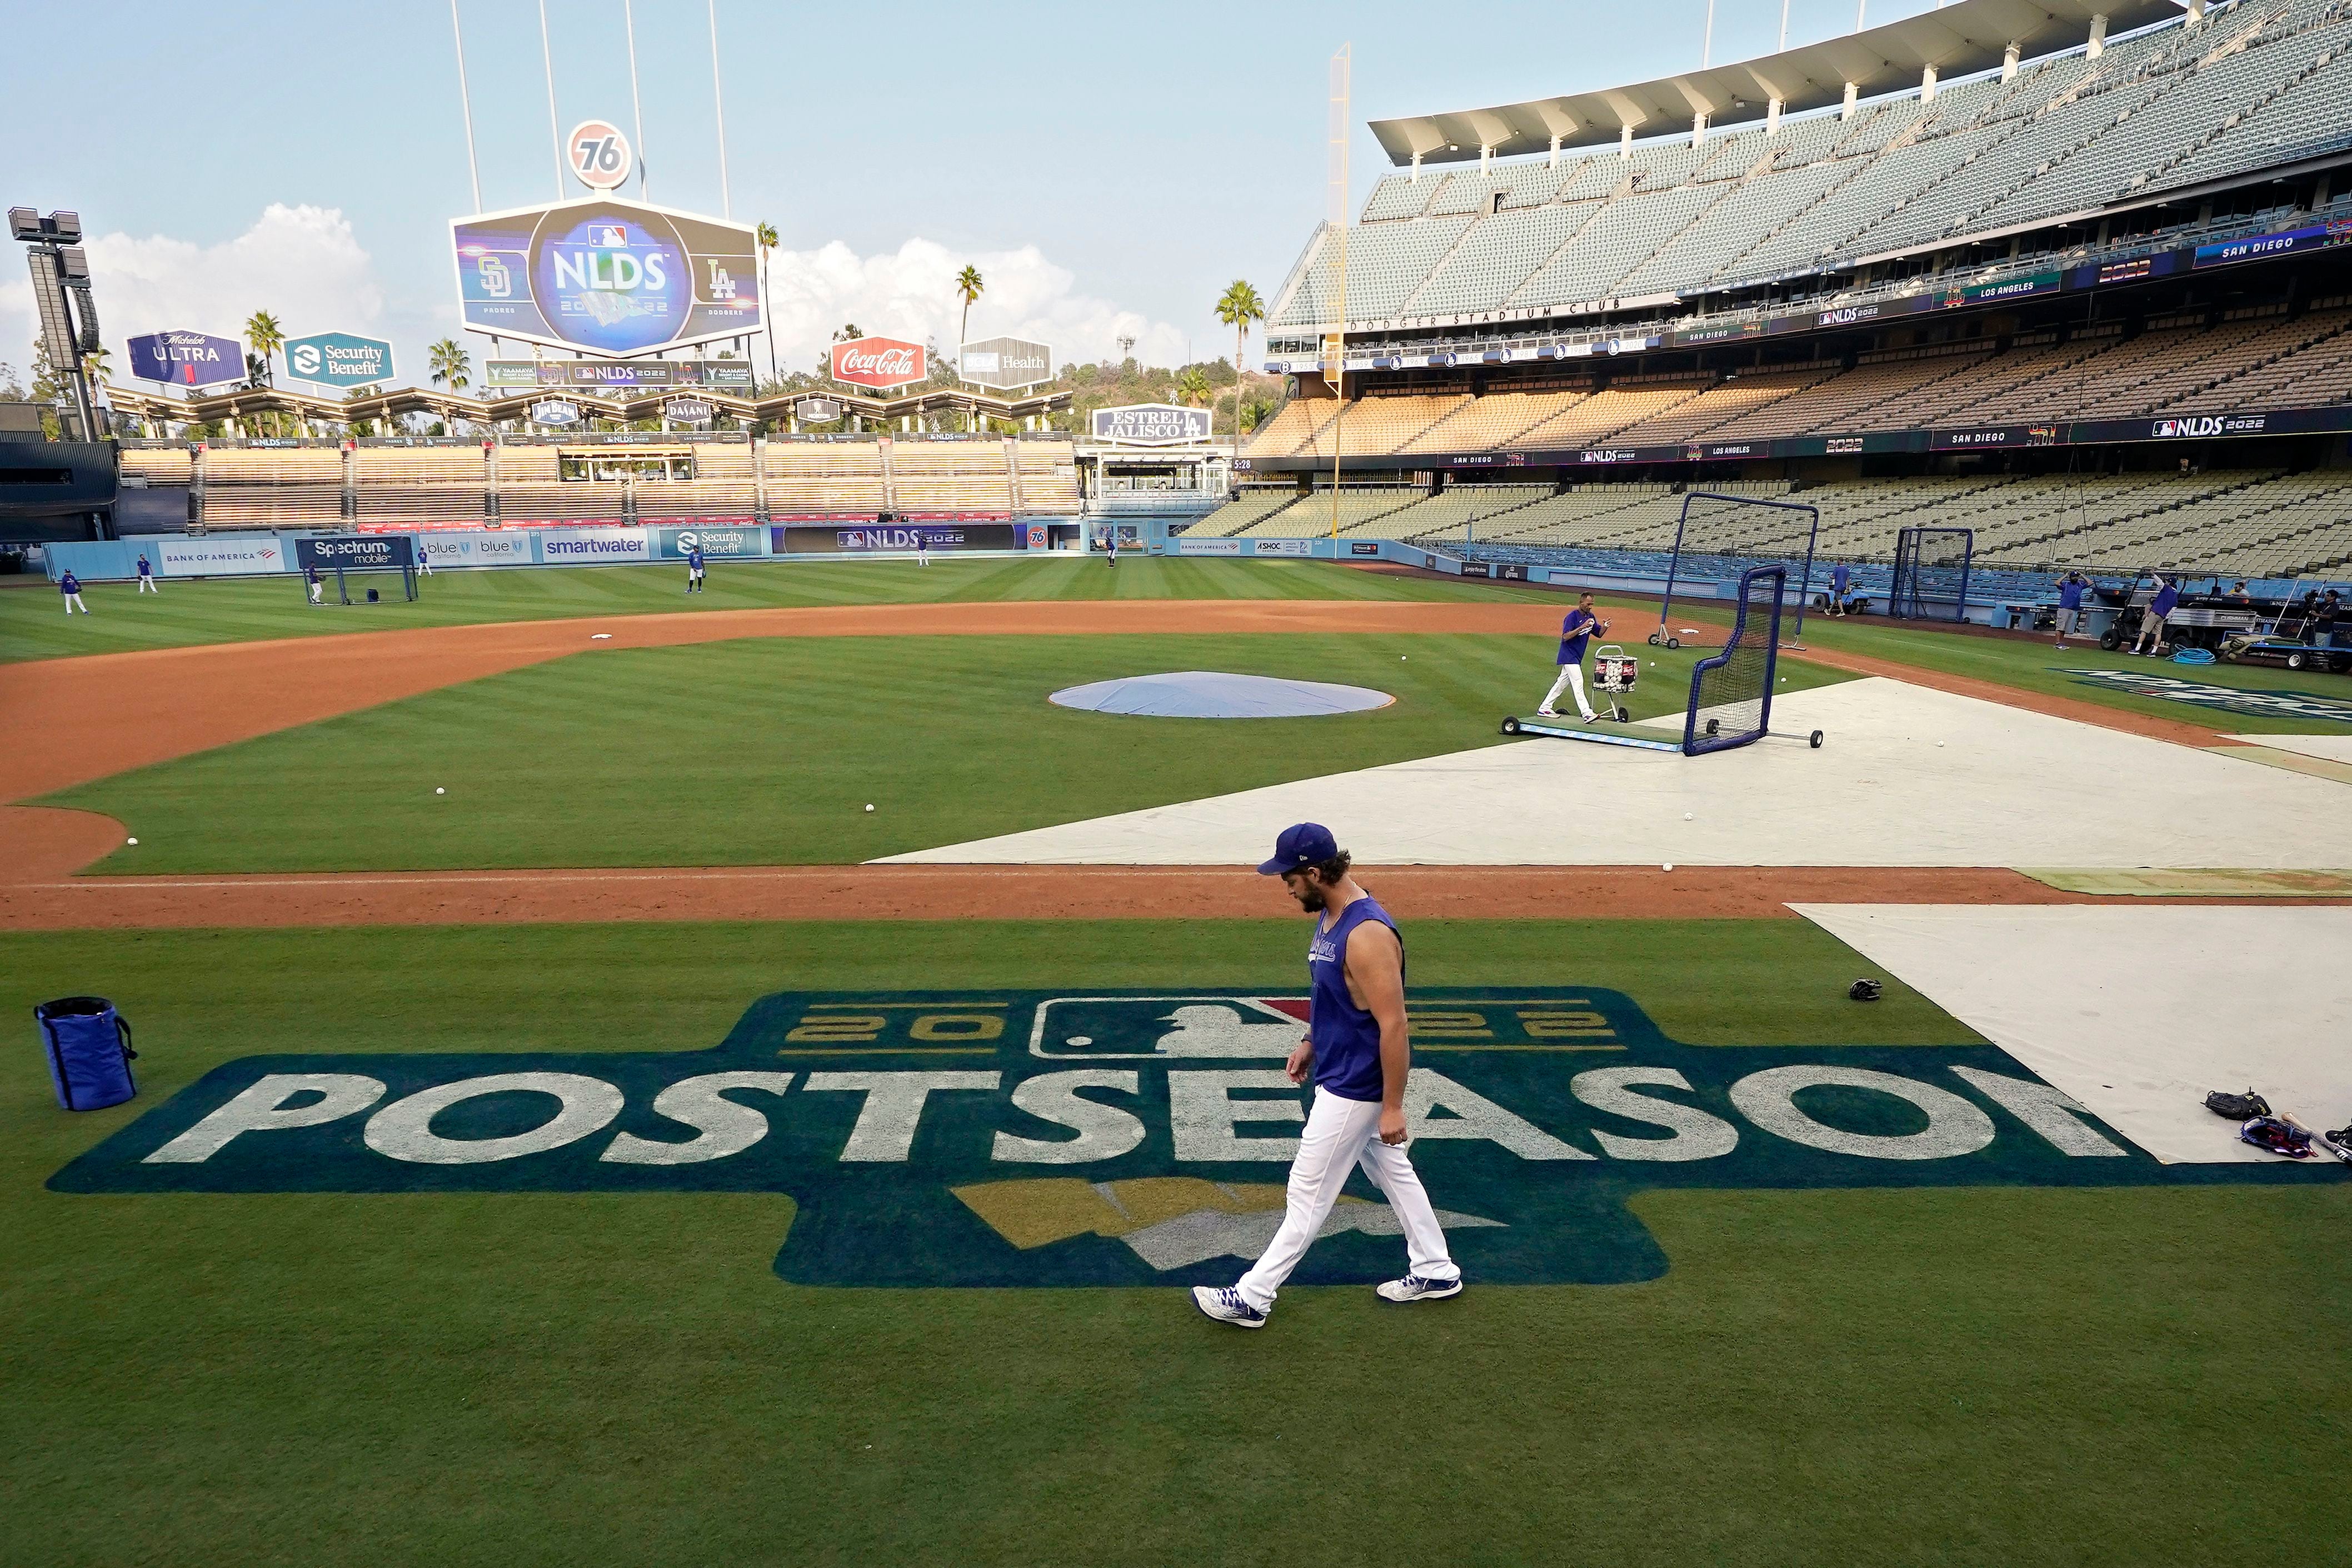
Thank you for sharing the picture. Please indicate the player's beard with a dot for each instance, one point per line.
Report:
(1312, 897)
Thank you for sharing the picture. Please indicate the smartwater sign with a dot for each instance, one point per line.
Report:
(187, 359)
(1151, 425)
(339, 359)
(1105, 1138)
(559, 547)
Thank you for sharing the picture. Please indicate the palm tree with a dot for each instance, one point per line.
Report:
(766, 236)
(1237, 309)
(1193, 388)
(263, 332)
(967, 284)
(451, 363)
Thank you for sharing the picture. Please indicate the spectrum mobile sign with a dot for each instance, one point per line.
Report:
(606, 276)
(992, 1137)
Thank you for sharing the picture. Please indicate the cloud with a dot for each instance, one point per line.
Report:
(910, 293)
(303, 264)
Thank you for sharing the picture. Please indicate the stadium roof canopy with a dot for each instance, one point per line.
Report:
(1957, 40)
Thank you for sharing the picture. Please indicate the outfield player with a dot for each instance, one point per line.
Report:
(1359, 1053)
(922, 548)
(69, 587)
(1110, 544)
(694, 569)
(424, 559)
(1577, 629)
(318, 584)
(147, 576)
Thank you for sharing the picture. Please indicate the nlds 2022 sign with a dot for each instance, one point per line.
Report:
(606, 276)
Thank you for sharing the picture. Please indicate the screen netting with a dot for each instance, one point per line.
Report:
(1719, 537)
(1731, 691)
(1931, 574)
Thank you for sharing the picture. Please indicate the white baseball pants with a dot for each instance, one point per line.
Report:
(1340, 1134)
(1572, 679)
(73, 603)
(147, 585)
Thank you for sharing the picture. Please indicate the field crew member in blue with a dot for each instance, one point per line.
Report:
(1358, 1051)
(1576, 628)
(694, 568)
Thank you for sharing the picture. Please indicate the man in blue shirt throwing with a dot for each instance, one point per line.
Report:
(1578, 627)
(1358, 1052)
(2151, 620)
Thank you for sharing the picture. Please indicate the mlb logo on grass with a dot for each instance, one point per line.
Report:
(992, 1137)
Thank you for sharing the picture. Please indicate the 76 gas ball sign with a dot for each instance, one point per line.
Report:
(599, 154)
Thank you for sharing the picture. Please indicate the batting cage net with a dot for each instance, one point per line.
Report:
(1931, 574)
(1722, 538)
(366, 584)
(1731, 691)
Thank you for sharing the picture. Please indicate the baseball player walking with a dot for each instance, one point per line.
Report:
(1576, 630)
(147, 576)
(318, 584)
(1358, 1051)
(69, 587)
(694, 569)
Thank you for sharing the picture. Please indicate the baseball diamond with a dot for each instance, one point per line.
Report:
(1635, 847)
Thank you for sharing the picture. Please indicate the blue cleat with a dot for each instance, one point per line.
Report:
(1226, 1306)
(1413, 1287)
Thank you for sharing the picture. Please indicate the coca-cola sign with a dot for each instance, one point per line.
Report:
(880, 362)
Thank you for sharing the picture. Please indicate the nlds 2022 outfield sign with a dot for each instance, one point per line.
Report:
(1089, 1138)
(606, 276)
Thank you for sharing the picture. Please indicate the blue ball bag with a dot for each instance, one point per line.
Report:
(89, 1052)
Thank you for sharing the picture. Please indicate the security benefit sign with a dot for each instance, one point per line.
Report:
(608, 276)
(971, 1138)
(339, 359)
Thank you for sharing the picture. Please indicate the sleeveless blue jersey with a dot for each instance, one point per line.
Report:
(1347, 1038)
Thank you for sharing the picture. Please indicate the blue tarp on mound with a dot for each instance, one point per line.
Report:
(1208, 694)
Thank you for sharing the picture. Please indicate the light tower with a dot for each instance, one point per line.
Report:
(60, 269)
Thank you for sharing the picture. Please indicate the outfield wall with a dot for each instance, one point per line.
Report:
(260, 554)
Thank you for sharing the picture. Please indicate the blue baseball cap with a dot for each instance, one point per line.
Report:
(1302, 844)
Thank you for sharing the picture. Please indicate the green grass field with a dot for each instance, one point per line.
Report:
(766, 752)
(234, 610)
(183, 613)
(1975, 1375)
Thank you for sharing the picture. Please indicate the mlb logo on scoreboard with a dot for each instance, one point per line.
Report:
(608, 237)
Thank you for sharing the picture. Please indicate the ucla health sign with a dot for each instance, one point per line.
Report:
(1095, 1137)
(606, 276)
(339, 359)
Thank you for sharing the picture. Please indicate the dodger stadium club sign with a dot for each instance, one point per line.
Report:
(978, 1138)
(608, 276)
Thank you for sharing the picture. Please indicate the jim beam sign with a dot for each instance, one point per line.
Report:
(1151, 425)
(879, 363)
(1006, 365)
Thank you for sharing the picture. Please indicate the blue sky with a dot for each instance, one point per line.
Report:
(1108, 168)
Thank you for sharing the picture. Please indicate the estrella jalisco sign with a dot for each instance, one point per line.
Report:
(980, 1138)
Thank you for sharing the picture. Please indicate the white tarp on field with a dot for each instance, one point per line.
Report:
(2138, 1012)
(1909, 776)
(2328, 748)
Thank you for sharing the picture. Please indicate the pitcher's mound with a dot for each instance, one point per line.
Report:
(1207, 694)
